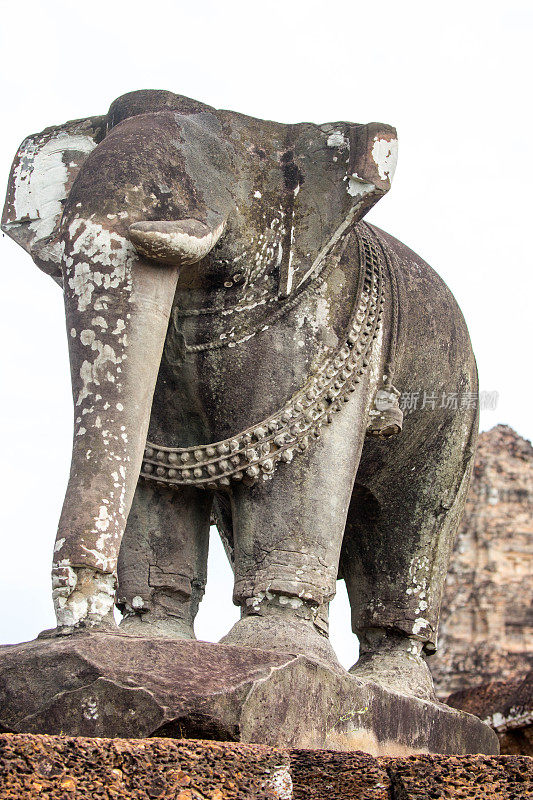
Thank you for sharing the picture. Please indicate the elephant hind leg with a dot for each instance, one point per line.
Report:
(162, 568)
(401, 524)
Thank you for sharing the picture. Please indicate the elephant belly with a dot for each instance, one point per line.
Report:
(434, 370)
(433, 350)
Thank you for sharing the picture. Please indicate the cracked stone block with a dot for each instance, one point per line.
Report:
(114, 685)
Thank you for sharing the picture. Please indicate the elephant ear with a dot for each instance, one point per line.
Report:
(43, 171)
(343, 170)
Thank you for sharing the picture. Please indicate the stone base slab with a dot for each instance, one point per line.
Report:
(65, 768)
(112, 685)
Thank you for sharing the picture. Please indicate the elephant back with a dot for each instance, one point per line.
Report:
(150, 101)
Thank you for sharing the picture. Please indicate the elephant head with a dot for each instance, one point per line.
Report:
(115, 208)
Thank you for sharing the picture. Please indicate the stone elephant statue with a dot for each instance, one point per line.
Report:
(240, 345)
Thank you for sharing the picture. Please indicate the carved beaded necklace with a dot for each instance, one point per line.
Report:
(258, 450)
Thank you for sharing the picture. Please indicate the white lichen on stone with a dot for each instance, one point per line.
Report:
(336, 139)
(358, 187)
(420, 624)
(89, 708)
(385, 155)
(40, 179)
(81, 595)
(280, 783)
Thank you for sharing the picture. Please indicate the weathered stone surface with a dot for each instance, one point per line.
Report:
(507, 706)
(486, 626)
(102, 684)
(448, 778)
(321, 774)
(57, 768)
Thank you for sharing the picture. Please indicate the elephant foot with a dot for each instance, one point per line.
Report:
(83, 598)
(397, 665)
(271, 623)
(154, 626)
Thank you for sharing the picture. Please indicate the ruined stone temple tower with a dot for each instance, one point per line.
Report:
(486, 629)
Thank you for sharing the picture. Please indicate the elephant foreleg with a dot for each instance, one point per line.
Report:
(117, 308)
(287, 539)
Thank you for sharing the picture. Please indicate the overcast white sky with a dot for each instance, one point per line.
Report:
(453, 77)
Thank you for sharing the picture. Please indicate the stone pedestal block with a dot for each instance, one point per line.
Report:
(60, 767)
(113, 685)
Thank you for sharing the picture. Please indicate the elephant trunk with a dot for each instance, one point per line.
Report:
(180, 242)
(117, 309)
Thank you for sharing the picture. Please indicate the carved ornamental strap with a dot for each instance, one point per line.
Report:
(258, 450)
